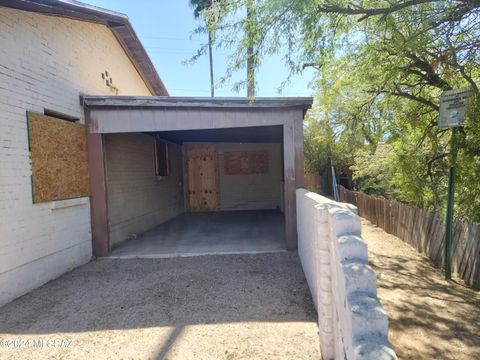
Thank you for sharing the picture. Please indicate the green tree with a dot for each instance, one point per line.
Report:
(373, 171)
(383, 65)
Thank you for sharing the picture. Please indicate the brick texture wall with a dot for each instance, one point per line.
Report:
(137, 200)
(252, 191)
(47, 62)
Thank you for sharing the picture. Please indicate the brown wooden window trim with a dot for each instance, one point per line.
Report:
(161, 156)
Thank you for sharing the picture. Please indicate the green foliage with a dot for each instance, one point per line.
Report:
(373, 171)
(468, 170)
(382, 66)
(199, 6)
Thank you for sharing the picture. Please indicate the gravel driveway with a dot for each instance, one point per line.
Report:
(208, 307)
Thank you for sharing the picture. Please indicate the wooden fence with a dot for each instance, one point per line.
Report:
(423, 230)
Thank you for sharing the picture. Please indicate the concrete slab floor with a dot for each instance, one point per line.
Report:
(227, 232)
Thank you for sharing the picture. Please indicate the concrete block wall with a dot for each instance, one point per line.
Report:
(137, 199)
(46, 62)
(352, 322)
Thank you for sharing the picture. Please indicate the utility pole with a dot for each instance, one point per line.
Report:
(250, 50)
(199, 7)
(212, 85)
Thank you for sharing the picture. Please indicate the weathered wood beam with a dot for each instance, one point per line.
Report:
(122, 120)
(98, 197)
(289, 185)
(196, 102)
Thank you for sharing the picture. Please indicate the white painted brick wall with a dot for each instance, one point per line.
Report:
(46, 62)
(352, 322)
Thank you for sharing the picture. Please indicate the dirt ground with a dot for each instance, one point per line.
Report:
(209, 307)
(430, 318)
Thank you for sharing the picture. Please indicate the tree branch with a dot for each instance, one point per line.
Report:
(406, 95)
(428, 74)
(337, 9)
(437, 157)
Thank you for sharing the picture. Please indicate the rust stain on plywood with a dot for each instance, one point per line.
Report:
(59, 158)
(246, 162)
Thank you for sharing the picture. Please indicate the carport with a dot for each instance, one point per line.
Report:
(176, 174)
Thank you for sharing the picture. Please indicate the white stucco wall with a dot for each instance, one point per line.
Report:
(47, 62)
(334, 257)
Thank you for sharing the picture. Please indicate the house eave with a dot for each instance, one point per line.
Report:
(118, 23)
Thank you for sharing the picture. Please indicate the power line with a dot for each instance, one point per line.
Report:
(179, 51)
(171, 38)
(206, 91)
(169, 49)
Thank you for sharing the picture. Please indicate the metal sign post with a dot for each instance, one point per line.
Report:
(450, 203)
(334, 184)
(453, 107)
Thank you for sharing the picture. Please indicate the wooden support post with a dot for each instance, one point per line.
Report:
(299, 156)
(293, 176)
(98, 197)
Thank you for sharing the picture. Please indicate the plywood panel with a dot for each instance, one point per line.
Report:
(202, 177)
(59, 158)
(246, 162)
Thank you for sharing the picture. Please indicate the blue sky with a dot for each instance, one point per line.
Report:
(165, 28)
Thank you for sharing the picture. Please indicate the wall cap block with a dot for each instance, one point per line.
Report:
(352, 247)
(374, 348)
(359, 277)
(368, 316)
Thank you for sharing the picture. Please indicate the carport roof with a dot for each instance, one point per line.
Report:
(195, 102)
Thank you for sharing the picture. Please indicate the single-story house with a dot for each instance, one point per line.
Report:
(94, 152)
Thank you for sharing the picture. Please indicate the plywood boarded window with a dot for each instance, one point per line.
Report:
(246, 162)
(162, 166)
(58, 149)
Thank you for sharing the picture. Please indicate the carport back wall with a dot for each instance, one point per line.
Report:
(137, 199)
(251, 191)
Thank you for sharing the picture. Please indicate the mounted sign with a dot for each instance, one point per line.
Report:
(453, 105)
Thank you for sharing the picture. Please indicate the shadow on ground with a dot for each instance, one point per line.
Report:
(235, 306)
(430, 318)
